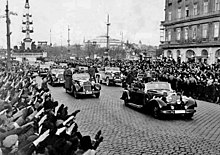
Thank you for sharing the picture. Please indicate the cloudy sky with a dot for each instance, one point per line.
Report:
(137, 19)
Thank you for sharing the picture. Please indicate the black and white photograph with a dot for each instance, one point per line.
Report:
(109, 77)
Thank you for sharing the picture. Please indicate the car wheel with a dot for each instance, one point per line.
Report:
(97, 95)
(107, 82)
(126, 102)
(189, 116)
(156, 111)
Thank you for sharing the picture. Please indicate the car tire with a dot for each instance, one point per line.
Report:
(126, 102)
(155, 111)
(97, 95)
(107, 82)
(189, 116)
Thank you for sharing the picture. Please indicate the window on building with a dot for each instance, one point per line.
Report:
(179, 13)
(178, 33)
(187, 11)
(205, 7)
(204, 30)
(217, 5)
(169, 16)
(194, 32)
(216, 30)
(186, 33)
(195, 9)
(169, 35)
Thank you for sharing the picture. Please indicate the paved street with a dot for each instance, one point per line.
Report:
(129, 131)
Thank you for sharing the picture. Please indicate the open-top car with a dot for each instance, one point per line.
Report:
(159, 99)
(55, 76)
(109, 75)
(81, 84)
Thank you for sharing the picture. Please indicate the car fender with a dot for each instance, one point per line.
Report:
(76, 86)
(125, 95)
(98, 74)
(191, 103)
(158, 101)
(98, 85)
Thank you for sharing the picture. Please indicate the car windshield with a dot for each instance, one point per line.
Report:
(57, 71)
(157, 86)
(81, 76)
(112, 69)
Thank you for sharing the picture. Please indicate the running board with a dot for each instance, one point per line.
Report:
(135, 105)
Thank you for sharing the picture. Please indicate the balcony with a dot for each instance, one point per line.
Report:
(190, 43)
(192, 18)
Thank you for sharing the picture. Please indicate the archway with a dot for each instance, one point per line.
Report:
(190, 56)
(204, 56)
(169, 54)
(217, 56)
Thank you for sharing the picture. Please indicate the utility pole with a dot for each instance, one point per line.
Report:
(8, 38)
(50, 38)
(68, 39)
(107, 46)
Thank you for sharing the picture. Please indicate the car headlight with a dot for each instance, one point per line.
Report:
(97, 87)
(81, 83)
(169, 99)
(178, 101)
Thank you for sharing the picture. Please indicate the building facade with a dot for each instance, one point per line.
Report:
(190, 31)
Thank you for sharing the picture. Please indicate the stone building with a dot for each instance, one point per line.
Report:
(190, 31)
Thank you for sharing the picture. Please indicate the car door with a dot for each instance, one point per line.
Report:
(137, 97)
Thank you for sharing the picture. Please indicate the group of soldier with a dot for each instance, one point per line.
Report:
(32, 122)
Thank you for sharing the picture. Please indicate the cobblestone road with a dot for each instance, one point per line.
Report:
(128, 131)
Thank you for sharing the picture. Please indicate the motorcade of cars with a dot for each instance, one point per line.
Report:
(43, 70)
(109, 75)
(159, 99)
(80, 84)
(55, 76)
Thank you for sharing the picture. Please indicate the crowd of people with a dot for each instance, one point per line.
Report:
(196, 79)
(32, 122)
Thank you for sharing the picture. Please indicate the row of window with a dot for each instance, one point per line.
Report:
(193, 32)
(195, 11)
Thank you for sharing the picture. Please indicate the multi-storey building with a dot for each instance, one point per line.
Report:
(191, 30)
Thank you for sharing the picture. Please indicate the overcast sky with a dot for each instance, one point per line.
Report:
(137, 19)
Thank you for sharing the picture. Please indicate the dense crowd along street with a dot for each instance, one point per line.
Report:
(116, 128)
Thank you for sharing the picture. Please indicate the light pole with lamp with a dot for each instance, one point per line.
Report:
(8, 38)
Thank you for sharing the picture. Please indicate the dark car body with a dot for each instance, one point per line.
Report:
(56, 77)
(159, 99)
(81, 85)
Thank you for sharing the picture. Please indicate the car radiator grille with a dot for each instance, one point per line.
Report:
(87, 88)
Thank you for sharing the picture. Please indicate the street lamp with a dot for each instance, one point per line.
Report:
(8, 37)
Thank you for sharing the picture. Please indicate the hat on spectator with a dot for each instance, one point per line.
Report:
(10, 141)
